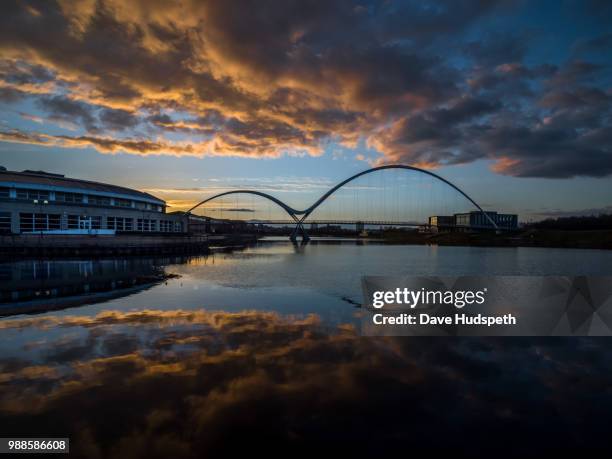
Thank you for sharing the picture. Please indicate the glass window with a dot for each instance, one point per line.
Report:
(53, 221)
(119, 223)
(5, 192)
(168, 226)
(84, 222)
(69, 197)
(73, 222)
(32, 194)
(145, 224)
(5, 222)
(98, 200)
(123, 202)
(96, 222)
(38, 222)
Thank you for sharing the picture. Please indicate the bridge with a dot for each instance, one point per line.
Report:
(337, 222)
(299, 217)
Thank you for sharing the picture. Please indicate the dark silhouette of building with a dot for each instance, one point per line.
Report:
(473, 221)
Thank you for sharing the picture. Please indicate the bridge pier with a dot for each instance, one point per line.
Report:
(299, 228)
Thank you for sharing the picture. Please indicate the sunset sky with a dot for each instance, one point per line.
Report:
(509, 100)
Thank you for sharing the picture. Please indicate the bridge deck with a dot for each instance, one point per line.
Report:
(335, 222)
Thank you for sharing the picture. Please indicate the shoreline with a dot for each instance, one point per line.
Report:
(593, 239)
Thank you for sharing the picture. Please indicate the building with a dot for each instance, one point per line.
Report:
(44, 203)
(476, 221)
(441, 222)
(473, 221)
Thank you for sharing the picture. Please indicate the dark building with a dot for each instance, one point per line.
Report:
(473, 221)
(441, 222)
(199, 224)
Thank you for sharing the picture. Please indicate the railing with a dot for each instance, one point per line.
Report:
(335, 222)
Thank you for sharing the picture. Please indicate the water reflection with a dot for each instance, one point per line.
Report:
(323, 277)
(278, 367)
(196, 383)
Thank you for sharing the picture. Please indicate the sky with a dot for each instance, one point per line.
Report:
(511, 101)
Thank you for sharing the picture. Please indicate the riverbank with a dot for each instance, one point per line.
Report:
(99, 245)
(597, 239)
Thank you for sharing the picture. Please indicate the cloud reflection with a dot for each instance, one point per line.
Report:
(192, 383)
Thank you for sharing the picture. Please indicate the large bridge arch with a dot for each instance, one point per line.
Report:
(305, 213)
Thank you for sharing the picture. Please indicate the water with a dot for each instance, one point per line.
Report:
(260, 345)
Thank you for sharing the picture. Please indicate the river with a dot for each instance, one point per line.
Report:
(180, 357)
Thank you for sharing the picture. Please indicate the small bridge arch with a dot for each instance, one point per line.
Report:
(291, 211)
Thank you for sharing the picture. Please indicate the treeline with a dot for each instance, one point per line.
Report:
(592, 222)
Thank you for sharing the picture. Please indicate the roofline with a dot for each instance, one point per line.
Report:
(129, 194)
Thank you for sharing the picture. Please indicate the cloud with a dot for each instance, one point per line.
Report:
(117, 119)
(142, 147)
(437, 136)
(263, 80)
(550, 152)
(62, 109)
(146, 147)
(29, 117)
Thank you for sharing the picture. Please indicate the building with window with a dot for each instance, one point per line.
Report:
(441, 222)
(476, 221)
(41, 202)
(473, 221)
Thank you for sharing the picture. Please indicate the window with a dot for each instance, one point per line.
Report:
(96, 222)
(5, 192)
(5, 222)
(123, 202)
(69, 197)
(73, 221)
(84, 222)
(462, 219)
(98, 200)
(119, 223)
(140, 205)
(31, 195)
(168, 226)
(165, 226)
(38, 222)
(144, 224)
